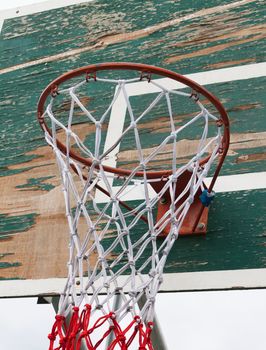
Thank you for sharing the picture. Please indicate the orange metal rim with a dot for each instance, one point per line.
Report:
(142, 68)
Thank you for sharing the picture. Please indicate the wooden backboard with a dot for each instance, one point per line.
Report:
(220, 45)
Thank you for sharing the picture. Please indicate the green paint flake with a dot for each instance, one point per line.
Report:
(30, 37)
(233, 240)
(7, 172)
(36, 184)
(6, 265)
(2, 255)
(9, 279)
(15, 224)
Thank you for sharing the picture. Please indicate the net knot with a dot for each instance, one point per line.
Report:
(90, 75)
(153, 237)
(149, 327)
(145, 75)
(174, 233)
(121, 338)
(73, 334)
(165, 251)
(151, 300)
(137, 319)
(191, 199)
(98, 125)
(54, 91)
(133, 124)
(112, 316)
(219, 123)
(96, 162)
(63, 342)
(59, 318)
(194, 96)
(152, 273)
(51, 337)
(84, 334)
(142, 165)
(173, 135)
(131, 263)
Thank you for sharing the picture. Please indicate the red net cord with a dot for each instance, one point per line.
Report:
(71, 335)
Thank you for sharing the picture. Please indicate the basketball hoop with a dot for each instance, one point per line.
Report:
(107, 255)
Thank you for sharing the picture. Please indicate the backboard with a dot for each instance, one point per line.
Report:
(221, 47)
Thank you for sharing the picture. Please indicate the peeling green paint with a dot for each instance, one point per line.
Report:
(15, 224)
(36, 184)
(6, 265)
(222, 39)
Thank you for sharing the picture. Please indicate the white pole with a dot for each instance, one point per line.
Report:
(157, 338)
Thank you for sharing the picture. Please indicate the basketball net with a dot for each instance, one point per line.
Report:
(107, 257)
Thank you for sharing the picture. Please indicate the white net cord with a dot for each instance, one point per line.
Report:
(106, 256)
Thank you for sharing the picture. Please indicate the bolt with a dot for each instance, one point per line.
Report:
(163, 200)
(201, 226)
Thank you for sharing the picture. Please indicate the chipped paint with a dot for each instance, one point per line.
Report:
(129, 36)
(171, 34)
(37, 184)
(215, 48)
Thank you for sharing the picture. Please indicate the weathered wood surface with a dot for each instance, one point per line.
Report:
(35, 49)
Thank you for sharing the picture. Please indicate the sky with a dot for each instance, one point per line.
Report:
(228, 320)
(14, 3)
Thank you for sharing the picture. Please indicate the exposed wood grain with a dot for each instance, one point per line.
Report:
(217, 48)
(181, 36)
(186, 148)
(125, 37)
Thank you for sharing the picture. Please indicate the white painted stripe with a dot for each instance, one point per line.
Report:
(185, 281)
(38, 7)
(131, 193)
(114, 131)
(215, 280)
(118, 115)
(226, 183)
(215, 76)
(239, 182)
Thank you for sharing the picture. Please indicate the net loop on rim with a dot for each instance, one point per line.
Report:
(105, 254)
